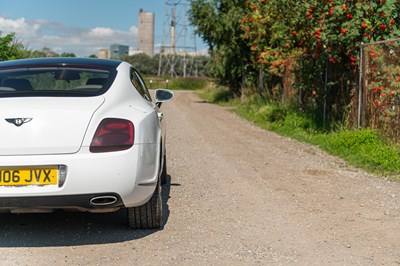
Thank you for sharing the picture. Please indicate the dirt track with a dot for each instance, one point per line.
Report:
(237, 196)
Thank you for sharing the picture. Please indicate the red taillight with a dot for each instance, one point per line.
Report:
(113, 134)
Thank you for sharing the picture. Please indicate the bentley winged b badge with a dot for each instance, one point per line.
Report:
(18, 121)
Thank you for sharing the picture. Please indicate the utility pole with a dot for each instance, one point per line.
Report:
(174, 52)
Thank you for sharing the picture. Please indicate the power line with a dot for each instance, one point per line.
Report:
(175, 53)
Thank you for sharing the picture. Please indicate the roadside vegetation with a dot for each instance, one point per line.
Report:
(9, 48)
(176, 83)
(294, 68)
(307, 55)
(365, 148)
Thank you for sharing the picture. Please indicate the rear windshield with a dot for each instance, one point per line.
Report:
(55, 81)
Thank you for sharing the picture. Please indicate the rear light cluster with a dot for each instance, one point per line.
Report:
(113, 134)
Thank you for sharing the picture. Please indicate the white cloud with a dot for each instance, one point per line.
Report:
(20, 26)
(101, 32)
(61, 38)
(134, 30)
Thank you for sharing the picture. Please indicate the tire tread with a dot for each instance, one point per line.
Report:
(149, 215)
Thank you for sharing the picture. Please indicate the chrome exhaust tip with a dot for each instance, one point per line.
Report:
(103, 200)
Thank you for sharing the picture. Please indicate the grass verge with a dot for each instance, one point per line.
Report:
(362, 148)
(176, 83)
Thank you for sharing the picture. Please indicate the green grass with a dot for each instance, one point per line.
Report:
(216, 95)
(176, 83)
(362, 148)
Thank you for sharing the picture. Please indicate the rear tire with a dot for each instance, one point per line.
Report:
(149, 215)
(164, 174)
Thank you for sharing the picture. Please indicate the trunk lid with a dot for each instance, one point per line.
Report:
(46, 125)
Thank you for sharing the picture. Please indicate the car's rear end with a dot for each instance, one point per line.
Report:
(66, 145)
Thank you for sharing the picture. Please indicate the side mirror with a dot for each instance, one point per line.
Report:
(162, 96)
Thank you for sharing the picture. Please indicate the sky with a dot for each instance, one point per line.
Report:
(85, 26)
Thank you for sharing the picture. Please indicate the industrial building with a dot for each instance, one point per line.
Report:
(146, 32)
(118, 51)
(104, 53)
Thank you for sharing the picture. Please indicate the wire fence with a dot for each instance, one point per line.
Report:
(368, 97)
(378, 102)
(322, 89)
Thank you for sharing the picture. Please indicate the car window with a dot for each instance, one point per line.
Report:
(63, 81)
(140, 85)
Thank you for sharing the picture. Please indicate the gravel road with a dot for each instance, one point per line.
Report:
(237, 195)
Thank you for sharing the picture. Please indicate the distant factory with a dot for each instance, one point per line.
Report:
(145, 42)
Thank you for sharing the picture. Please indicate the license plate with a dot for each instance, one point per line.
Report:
(28, 176)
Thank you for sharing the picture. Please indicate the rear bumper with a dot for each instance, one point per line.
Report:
(130, 174)
(53, 203)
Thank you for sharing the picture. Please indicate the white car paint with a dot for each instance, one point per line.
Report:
(49, 132)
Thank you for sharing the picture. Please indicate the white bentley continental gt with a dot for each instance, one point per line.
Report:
(82, 135)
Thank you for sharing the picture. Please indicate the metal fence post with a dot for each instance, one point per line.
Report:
(360, 85)
(325, 95)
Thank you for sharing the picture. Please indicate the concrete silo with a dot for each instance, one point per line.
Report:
(146, 32)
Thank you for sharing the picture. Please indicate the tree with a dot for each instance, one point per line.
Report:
(324, 37)
(328, 30)
(68, 54)
(144, 63)
(317, 40)
(218, 23)
(9, 48)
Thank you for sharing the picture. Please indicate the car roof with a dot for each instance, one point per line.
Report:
(61, 61)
